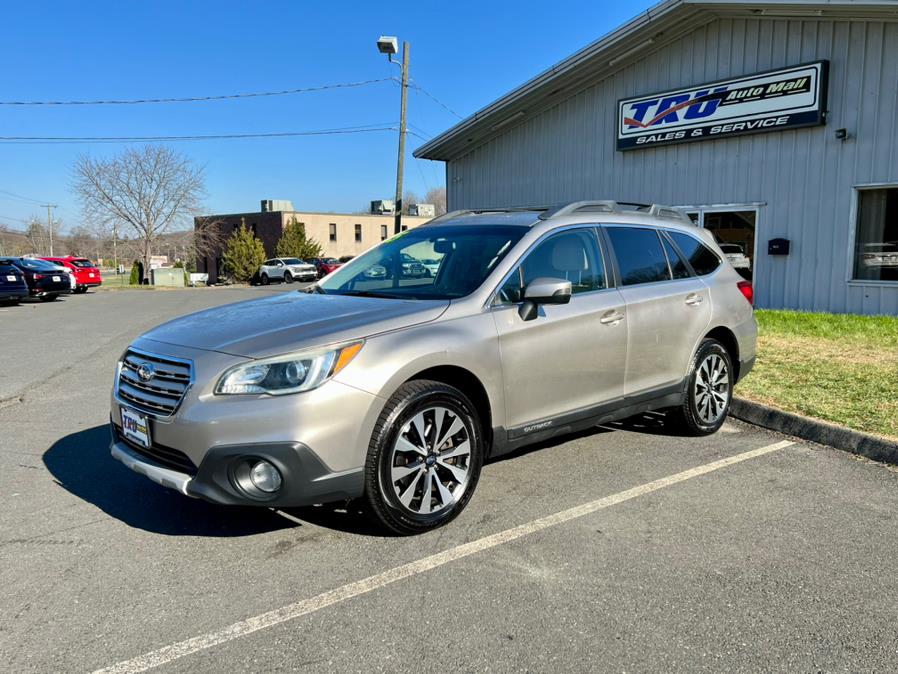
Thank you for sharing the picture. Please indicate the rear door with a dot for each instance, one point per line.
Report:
(668, 308)
(571, 356)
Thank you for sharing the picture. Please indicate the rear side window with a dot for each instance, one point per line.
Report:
(639, 254)
(701, 258)
(677, 265)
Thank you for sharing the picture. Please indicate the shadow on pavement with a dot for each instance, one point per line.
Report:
(650, 423)
(81, 464)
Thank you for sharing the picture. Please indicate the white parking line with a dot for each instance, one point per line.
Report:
(181, 649)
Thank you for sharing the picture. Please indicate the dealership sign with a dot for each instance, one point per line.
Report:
(769, 101)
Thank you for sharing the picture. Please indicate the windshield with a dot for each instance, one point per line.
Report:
(38, 265)
(466, 255)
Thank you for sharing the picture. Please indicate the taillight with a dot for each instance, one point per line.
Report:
(38, 277)
(747, 291)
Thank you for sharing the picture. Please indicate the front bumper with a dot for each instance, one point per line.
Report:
(318, 439)
(306, 481)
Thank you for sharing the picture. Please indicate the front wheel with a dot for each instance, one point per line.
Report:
(709, 390)
(424, 457)
(288, 277)
(264, 279)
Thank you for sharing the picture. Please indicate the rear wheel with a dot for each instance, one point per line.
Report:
(288, 277)
(709, 390)
(424, 458)
(49, 298)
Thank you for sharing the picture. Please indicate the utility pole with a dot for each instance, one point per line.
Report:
(400, 163)
(114, 251)
(50, 208)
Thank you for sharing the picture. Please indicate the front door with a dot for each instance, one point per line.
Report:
(571, 356)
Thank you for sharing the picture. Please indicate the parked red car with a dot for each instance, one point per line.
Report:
(86, 273)
(325, 265)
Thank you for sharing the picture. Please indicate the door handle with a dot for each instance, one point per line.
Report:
(694, 299)
(611, 318)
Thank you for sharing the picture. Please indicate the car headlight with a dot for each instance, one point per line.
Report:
(292, 373)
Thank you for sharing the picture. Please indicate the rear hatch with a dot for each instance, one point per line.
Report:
(11, 277)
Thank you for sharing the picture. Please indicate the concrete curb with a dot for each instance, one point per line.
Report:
(820, 432)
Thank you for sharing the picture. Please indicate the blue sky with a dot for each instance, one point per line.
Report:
(465, 53)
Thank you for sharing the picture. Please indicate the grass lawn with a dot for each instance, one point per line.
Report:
(835, 367)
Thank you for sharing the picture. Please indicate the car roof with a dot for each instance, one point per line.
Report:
(606, 212)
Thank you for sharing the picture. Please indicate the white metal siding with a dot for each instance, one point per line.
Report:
(805, 176)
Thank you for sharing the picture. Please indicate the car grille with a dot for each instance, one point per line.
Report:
(164, 456)
(162, 393)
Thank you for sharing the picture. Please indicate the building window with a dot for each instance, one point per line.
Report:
(383, 232)
(358, 233)
(876, 239)
(333, 231)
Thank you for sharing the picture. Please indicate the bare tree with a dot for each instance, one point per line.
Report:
(408, 199)
(150, 190)
(38, 236)
(82, 241)
(437, 197)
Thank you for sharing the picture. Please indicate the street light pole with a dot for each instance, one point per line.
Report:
(400, 162)
(389, 45)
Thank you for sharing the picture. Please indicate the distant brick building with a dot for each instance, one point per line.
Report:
(339, 234)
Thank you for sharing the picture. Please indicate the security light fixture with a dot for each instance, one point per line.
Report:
(387, 44)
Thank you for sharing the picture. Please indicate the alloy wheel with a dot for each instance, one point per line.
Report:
(712, 389)
(430, 461)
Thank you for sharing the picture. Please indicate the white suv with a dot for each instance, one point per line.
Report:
(286, 269)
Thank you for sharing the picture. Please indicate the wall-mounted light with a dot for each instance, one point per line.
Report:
(841, 134)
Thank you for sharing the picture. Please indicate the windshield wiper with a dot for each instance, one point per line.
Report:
(371, 293)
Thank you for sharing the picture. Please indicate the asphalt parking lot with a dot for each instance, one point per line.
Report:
(621, 549)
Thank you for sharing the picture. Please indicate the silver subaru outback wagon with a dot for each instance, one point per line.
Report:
(395, 387)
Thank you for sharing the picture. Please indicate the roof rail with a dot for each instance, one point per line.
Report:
(476, 211)
(609, 206)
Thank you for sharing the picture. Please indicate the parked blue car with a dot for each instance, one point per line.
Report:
(13, 288)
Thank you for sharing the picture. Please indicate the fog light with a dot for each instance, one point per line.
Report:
(265, 477)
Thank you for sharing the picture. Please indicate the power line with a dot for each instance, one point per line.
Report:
(199, 99)
(6, 217)
(436, 100)
(59, 140)
(21, 197)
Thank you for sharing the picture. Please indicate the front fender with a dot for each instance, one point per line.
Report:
(389, 360)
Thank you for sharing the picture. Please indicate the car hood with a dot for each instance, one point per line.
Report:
(292, 321)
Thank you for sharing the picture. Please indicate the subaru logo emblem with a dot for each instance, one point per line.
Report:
(145, 371)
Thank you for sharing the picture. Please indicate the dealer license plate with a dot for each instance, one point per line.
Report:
(135, 427)
(56, 279)
(10, 278)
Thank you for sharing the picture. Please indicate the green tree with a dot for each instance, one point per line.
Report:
(135, 274)
(243, 255)
(295, 243)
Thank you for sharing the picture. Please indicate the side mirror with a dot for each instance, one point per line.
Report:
(544, 291)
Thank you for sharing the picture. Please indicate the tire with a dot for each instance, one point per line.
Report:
(264, 279)
(703, 413)
(288, 277)
(49, 298)
(396, 496)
